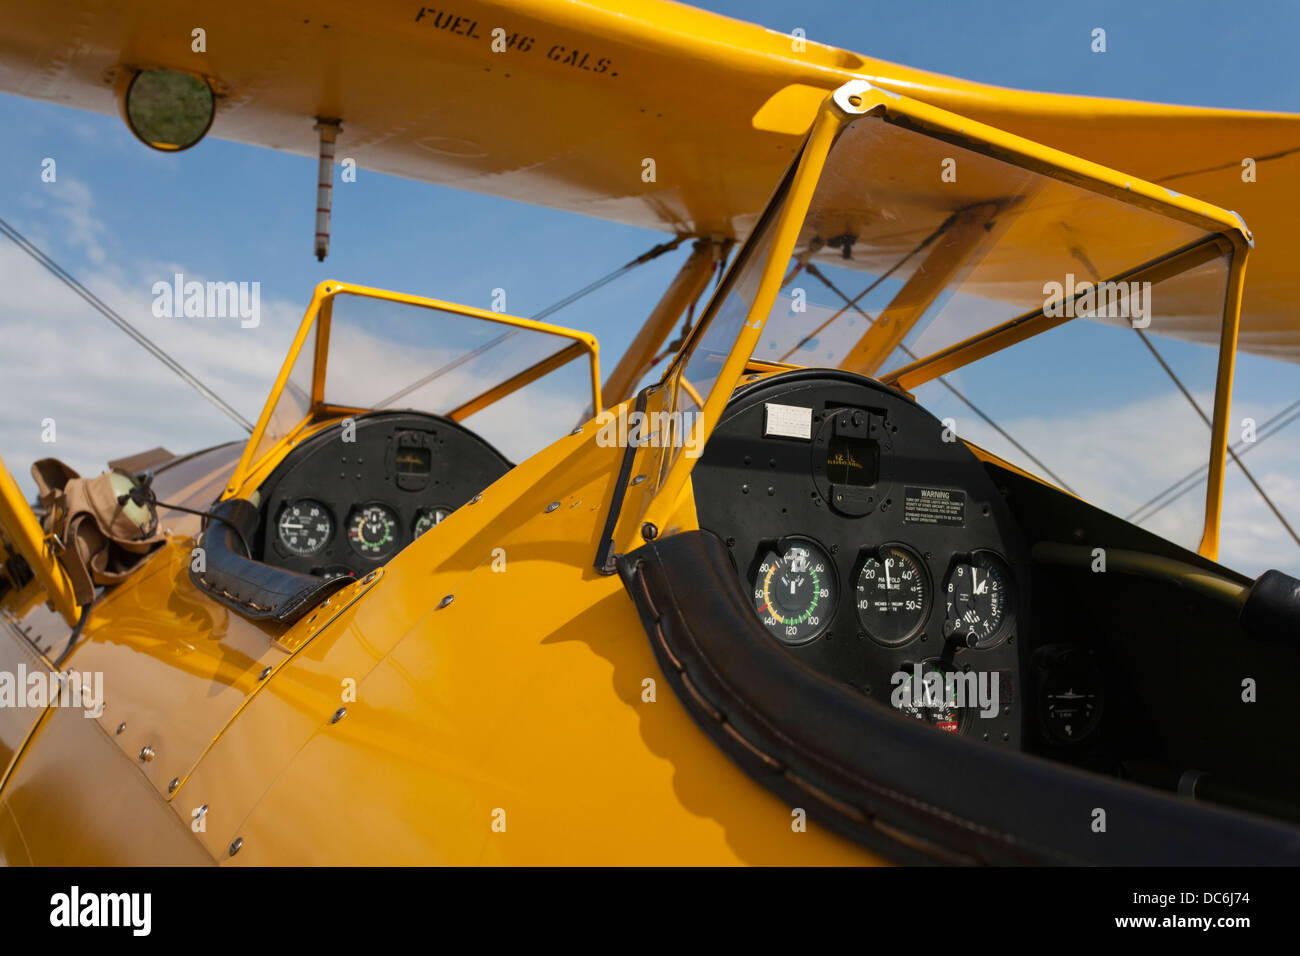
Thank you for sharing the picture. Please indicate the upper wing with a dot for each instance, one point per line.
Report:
(587, 92)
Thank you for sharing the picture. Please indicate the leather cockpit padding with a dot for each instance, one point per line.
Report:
(894, 785)
(255, 590)
(1271, 611)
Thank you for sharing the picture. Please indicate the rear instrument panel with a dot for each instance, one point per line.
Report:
(344, 502)
(874, 546)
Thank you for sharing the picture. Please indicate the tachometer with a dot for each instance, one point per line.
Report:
(427, 518)
(978, 592)
(372, 530)
(893, 595)
(795, 590)
(304, 527)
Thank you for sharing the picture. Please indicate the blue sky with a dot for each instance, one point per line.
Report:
(120, 216)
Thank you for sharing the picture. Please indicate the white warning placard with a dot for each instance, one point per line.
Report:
(787, 421)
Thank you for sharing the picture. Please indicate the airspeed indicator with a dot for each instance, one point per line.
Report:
(795, 590)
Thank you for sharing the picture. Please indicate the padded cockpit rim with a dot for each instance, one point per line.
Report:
(893, 785)
(257, 591)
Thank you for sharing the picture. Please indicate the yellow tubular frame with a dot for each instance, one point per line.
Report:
(824, 130)
(858, 98)
(28, 538)
(1209, 546)
(321, 307)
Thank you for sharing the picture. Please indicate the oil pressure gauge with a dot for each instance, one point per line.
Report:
(795, 590)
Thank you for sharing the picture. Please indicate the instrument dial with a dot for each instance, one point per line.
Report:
(893, 595)
(304, 527)
(426, 518)
(795, 590)
(933, 699)
(978, 598)
(372, 530)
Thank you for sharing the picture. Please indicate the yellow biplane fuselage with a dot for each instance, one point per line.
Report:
(492, 692)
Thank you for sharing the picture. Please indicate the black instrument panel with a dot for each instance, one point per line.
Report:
(873, 545)
(350, 497)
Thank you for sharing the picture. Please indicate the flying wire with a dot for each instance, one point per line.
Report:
(1205, 418)
(1190, 480)
(140, 338)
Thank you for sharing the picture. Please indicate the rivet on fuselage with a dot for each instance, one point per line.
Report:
(234, 847)
(552, 506)
(445, 601)
(638, 479)
(476, 499)
(266, 672)
(175, 782)
(147, 753)
(338, 715)
(121, 727)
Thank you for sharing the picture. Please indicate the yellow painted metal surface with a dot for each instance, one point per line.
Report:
(74, 799)
(19, 527)
(525, 696)
(18, 656)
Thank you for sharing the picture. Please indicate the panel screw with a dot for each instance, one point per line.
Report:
(266, 672)
(147, 753)
(445, 601)
(121, 727)
(234, 847)
(638, 479)
(338, 715)
(649, 531)
(552, 506)
(476, 499)
(176, 782)
(576, 431)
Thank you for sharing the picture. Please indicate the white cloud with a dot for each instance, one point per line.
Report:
(1121, 456)
(106, 395)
